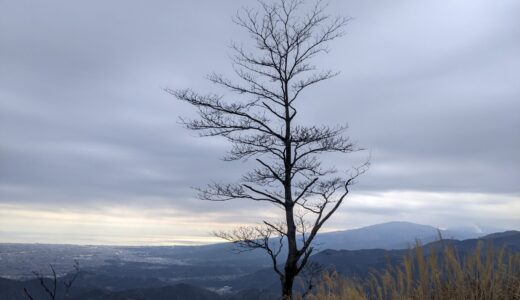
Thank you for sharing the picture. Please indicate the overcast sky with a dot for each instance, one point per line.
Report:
(91, 150)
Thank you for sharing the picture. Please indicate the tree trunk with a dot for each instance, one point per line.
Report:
(287, 287)
(291, 264)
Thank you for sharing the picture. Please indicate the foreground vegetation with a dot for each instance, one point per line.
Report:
(485, 274)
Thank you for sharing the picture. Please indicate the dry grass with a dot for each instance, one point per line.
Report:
(482, 275)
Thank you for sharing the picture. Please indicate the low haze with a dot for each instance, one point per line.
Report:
(91, 150)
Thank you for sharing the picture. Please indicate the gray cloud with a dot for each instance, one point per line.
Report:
(429, 88)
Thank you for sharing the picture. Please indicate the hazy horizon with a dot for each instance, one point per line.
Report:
(83, 241)
(91, 148)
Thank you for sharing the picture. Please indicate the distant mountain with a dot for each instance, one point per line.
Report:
(391, 235)
(509, 240)
(499, 235)
(359, 263)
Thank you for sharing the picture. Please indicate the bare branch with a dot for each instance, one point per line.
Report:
(26, 292)
(269, 238)
(260, 123)
(327, 191)
(226, 192)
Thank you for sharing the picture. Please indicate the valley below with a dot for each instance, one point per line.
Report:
(216, 271)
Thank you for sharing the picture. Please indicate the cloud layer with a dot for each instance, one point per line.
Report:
(429, 88)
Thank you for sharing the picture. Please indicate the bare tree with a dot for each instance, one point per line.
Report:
(262, 125)
(52, 290)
